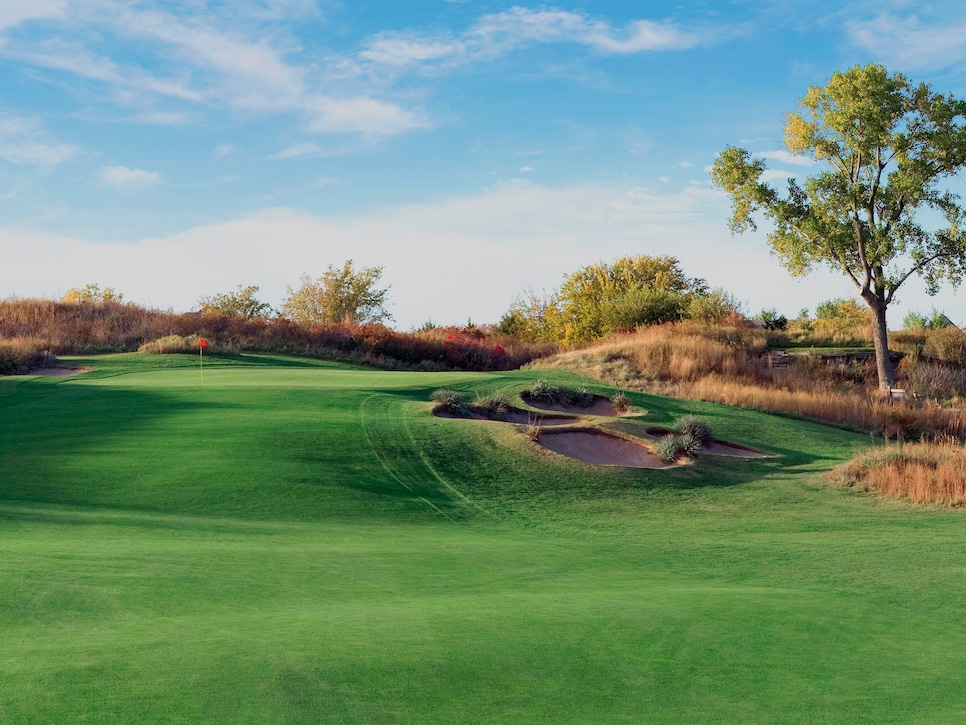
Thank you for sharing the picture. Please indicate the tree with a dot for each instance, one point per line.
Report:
(242, 302)
(91, 293)
(632, 291)
(343, 295)
(886, 145)
(936, 320)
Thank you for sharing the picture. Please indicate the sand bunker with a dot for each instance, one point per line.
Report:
(524, 417)
(601, 448)
(600, 406)
(716, 447)
(514, 415)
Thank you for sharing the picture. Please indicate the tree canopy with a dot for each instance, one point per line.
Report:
(240, 302)
(600, 298)
(341, 295)
(91, 293)
(885, 145)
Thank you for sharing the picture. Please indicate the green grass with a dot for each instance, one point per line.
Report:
(295, 541)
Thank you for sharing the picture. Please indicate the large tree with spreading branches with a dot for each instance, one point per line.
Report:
(886, 146)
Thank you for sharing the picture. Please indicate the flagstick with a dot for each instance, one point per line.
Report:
(201, 358)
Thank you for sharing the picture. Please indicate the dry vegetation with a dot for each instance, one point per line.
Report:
(922, 473)
(727, 364)
(31, 329)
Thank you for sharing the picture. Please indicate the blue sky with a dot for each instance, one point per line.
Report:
(473, 149)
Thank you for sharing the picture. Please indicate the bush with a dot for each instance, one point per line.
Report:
(946, 345)
(494, 406)
(450, 402)
(695, 428)
(546, 392)
(673, 447)
(621, 402)
(20, 356)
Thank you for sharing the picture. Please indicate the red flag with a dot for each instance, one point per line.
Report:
(201, 341)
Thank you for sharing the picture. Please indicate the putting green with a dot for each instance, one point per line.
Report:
(291, 541)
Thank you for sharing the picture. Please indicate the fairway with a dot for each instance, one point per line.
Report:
(295, 541)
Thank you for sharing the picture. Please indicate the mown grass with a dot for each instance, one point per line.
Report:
(295, 541)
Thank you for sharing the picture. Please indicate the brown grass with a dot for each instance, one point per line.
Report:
(922, 473)
(21, 355)
(726, 365)
(91, 327)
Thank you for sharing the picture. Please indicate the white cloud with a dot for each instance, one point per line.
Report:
(221, 151)
(14, 12)
(683, 165)
(499, 33)
(368, 116)
(525, 169)
(297, 151)
(208, 63)
(23, 141)
(912, 41)
(121, 177)
(461, 244)
(786, 158)
(548, 25)
(777, 175)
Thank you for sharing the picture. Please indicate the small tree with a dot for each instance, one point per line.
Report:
(91, 293)
(242, 303)
(343, 295)
(936, 320)
(633, 290)
(886, 144)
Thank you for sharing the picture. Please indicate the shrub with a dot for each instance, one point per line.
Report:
(576, 397)
(20, 356)
(546, 392)
(543, 391)
(494, 406)
(695, 428)
(620, 401)
(451, 402)
(672, 447)
(947, 344)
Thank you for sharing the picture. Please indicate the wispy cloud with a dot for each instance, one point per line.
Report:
(149, 58)
(14, 12)
(23, 141)
(297, 151)
(786, 158)
(130, 180)
(499, 33)
(914, 41)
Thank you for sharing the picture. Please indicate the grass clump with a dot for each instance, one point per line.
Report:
(695, 429)
(921, 473)
(621, 402)
(494, 406)
(672, 448)
(543, 391)
(450, 402)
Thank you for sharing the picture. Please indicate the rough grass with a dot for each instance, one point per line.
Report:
(922, 473)
(87, 327)
(21, 355)
(726, 365)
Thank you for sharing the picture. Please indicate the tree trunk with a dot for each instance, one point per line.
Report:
(880, 338)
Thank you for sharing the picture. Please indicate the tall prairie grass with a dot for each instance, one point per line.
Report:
(728, 365)
(21, 355)
(110, 326)
(922, 473)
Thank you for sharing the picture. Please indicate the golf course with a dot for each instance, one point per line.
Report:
(298, 541)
